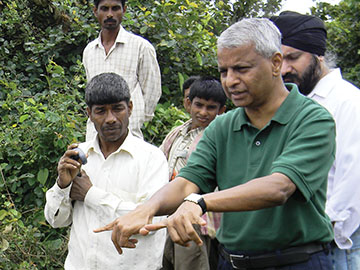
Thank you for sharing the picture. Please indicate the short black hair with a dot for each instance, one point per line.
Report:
(208, 88)
(189, 81)
(97, 2)
(106, 88)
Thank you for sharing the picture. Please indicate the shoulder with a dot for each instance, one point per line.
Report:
(141, 41)
(143, 150)
(228, 119)
(312, 108)
(91, 45)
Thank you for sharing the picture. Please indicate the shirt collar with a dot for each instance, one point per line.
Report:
(282, 115)
(187, 128)
(129, 145)
(326, 84)
(122, 37)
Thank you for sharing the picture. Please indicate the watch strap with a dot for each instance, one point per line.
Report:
(198, 199)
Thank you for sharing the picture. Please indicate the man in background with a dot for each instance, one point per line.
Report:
(122, 171)
(307, 64)
(206, 99)
(129, 55)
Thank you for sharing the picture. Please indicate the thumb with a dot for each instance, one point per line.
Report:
(201, 221)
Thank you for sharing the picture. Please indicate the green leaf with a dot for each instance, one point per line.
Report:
(199, 59)
(143, 29)
(23, 118)
(3, 214)
(42, 176)
(54, 244)
(4, 245)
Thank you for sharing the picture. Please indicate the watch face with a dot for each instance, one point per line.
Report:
(193, 197)
(198, 199)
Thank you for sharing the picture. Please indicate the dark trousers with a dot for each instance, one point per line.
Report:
(318, 261)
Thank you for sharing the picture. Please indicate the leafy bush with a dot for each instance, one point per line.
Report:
(343, 28)
(42, 105)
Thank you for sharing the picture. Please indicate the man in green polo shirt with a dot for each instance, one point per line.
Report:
(269, 157)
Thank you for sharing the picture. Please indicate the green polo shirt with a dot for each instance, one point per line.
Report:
(299, 142)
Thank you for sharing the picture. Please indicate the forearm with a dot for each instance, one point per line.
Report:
(264, 192)
(58, 208)
(166, 200)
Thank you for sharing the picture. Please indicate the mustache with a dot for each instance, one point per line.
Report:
(291, 77)
(111, 127)
(110, 20)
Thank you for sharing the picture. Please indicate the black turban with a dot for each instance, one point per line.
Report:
(303, 32)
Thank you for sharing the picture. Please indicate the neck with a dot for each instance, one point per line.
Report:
(107, 148)
(261, 115)
(109, 36)
(324, 70)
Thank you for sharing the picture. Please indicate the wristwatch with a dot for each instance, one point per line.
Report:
(198, 199)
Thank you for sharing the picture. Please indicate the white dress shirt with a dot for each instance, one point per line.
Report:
(127, 178)
(134, 58)
(342, 99)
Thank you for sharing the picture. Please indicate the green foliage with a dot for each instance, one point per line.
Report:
(343, 28)
(166, 118)
(27, 246)
(42, 97)
(35, 131)
(185, 39)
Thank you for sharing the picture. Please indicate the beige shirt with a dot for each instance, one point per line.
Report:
(127, 178)
(134, 58)
(178, 153)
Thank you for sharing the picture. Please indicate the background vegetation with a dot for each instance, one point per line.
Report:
(42, 86)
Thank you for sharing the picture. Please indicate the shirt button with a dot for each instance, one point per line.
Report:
(257, 143)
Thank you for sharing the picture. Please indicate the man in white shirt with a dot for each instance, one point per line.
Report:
(305, 64)
(129, 55)
(122, 172)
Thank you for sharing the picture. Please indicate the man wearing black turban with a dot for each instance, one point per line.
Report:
(305, 64)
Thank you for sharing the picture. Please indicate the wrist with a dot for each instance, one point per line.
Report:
(61, 184)
(197, 199)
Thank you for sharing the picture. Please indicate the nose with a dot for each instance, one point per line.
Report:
(231, 78)
(110, 117)
(203, 111)
(285, 68)
(109, 14)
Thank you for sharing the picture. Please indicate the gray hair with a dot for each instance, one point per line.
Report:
(106, 88)
(261, 32)
(330, 59)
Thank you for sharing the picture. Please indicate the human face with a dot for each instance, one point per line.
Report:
(109, 14)
(186, 97)
(203, 111)
(111, 120)
(246, 76)
(301, 68)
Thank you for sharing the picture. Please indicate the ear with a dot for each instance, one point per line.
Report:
(222, 110)
(124, 8)
(95, 12)
(276, 61)
(188, 102)
(88, 111)
(130, 107)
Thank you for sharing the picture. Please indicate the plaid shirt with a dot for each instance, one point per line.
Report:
(134, 58)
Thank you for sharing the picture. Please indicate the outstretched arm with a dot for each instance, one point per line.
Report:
(165, 201)
(259, 193)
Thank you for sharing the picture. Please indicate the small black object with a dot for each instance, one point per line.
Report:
(81, 155)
